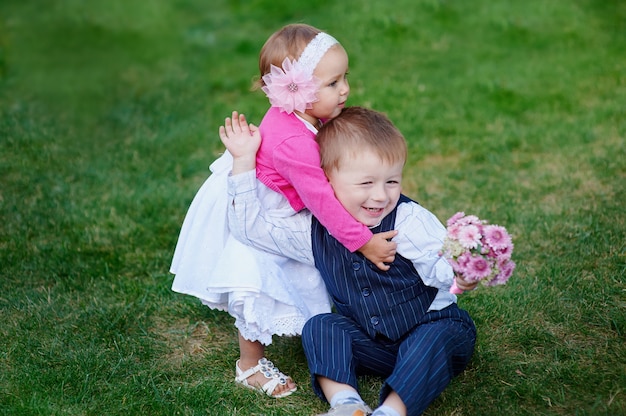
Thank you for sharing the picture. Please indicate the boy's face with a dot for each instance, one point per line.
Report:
(367, 187)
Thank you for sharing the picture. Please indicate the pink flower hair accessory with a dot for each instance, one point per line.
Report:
(290, 88)
(293, 87)
(477, 251)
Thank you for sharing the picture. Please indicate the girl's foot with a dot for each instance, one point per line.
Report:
(264, 377)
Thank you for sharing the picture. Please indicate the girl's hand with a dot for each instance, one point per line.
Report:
(242, 141)
(380, 249)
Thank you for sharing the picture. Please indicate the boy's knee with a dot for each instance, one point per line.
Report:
(315, 326)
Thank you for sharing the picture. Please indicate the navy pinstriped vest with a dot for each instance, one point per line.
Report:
(383, 303)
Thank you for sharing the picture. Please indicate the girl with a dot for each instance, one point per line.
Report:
(304, 75)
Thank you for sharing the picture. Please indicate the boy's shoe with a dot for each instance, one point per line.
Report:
(352, 409)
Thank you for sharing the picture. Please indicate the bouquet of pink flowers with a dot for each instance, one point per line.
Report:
(478, 251)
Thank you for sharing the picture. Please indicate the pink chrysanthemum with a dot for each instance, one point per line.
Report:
(470, 219)
(453, 219)
(506, 268)
(459, 265)
(453, 231)
(478, 268)
(464, 259)
(469, 236)
(290, 88)
(504, 252)
(496, 237)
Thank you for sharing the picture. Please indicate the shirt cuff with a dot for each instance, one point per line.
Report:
(242, 183)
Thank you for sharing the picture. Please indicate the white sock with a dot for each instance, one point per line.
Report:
(345, 397)
(385, 411)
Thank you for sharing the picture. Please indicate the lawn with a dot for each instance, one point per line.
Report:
(513, 111)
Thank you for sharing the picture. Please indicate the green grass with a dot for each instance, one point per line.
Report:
(514, 111)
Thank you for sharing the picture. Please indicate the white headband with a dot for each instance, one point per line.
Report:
(314, 52)
(293, 86)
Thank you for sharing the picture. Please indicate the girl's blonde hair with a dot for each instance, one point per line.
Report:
(358, 129)
(288, 42)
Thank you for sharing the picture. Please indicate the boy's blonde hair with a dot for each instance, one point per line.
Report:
(357, 129)
(288, 42)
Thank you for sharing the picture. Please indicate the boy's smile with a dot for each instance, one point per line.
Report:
(367, 187)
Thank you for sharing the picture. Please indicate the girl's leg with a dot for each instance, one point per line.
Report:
(250, 352)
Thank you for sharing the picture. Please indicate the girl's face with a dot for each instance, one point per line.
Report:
(333, 92)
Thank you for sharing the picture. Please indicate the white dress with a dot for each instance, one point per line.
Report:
(266, 294)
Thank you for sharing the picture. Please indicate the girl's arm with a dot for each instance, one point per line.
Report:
(299, 165)
(298, 162)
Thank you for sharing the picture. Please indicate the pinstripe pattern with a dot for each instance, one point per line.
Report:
(418, 367)
(382, 326)
(401, 297)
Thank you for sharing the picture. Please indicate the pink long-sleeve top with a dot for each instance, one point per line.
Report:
(288, 162)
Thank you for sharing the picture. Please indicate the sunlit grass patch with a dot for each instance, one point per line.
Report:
(513, 111)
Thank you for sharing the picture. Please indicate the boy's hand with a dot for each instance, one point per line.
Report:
(242, 141)
(463, 284)
(380, 249)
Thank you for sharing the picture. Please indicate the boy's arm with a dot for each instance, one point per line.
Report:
(249, 223)
(420, 238)
(286, 236)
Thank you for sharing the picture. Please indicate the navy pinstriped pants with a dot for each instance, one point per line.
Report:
(418, 367)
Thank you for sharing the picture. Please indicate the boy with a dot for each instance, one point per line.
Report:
(403, 323)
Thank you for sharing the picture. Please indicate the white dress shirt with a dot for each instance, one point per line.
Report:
(420, 235)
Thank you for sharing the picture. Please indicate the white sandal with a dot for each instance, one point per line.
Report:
(270, 372)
